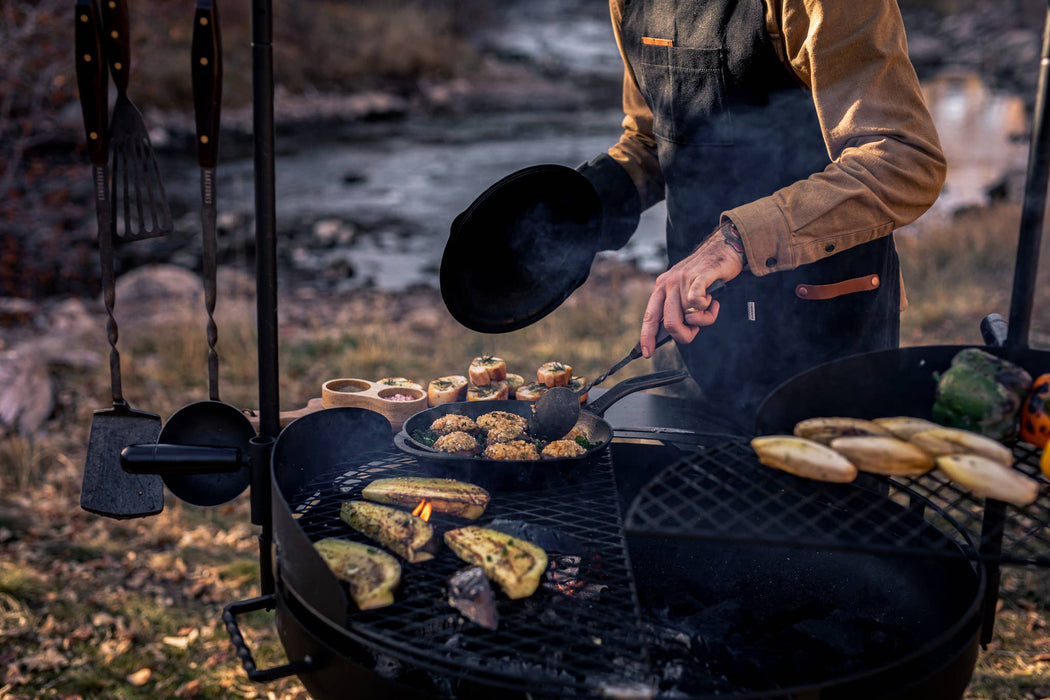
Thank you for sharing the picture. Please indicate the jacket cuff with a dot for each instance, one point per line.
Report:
(621, 204)
(766, 236)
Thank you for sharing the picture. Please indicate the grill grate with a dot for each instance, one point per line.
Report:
(725, 493)
(579, 634)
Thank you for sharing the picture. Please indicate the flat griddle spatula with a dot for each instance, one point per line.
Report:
(107, 489)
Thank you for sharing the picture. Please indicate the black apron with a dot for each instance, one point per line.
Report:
(732, 126)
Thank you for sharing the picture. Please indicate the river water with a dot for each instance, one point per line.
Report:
(385, 193)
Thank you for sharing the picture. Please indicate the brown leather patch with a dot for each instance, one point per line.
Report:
(651, 41)
(819, 292)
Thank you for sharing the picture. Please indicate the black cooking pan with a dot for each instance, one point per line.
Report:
(873, 385)
(511, 475)
(521, 248)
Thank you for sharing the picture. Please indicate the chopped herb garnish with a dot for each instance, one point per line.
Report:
(425, 437)
(584, 442)
(488, 557)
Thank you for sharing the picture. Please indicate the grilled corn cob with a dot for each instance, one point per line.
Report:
(445, 495)
(878, 454)
(803, 457)
(952, 441)
(404, 534)
(371, 573)
(989, 479)
(514, 564)
(824, 430)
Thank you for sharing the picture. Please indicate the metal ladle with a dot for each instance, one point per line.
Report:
(558, 409)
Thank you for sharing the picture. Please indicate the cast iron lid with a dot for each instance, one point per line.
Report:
(520, 249)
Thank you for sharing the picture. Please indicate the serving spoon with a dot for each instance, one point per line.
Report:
(558, 408)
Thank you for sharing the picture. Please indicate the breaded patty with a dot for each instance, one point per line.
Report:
(454, 422)
(506, 431)
(459, 443)
(493, 419)
(562, 448)
(517, 449)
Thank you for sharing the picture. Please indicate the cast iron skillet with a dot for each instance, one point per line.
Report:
(873, 385)
(523, 474)
(521, 248)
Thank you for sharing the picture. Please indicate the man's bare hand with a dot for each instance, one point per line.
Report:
(680, 298)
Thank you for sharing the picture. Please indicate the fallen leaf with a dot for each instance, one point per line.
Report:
(140, 677)
(190, 689)
(177, 642)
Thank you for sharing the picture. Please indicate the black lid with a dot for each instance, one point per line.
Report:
(521, 248)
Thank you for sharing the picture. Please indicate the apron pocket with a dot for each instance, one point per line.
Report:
(686, 90)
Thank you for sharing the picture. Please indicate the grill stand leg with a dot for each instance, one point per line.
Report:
(991, 549)
(1033, 209)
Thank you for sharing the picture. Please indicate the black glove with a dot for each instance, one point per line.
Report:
(621, 205)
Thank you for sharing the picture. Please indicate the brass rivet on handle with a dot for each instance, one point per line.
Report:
(204, 21)
(204, 139)
(87, 58)
(204, 61)
(83, 18)
(93, 136)
(874, 280)
(803, 291)
(117, 65)
(114, 33)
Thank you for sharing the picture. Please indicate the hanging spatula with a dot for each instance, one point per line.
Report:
(140, 207)
(107, 489)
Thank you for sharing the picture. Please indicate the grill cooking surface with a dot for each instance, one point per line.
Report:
(579, 632)
(726, 493)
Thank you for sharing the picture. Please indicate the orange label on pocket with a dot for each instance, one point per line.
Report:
(651, 41)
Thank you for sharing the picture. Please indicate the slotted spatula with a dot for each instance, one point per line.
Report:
(140, 205)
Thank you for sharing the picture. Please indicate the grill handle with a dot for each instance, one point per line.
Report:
(229, 618)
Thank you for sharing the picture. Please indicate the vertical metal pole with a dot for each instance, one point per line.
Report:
(1033, 209)
(265, 265)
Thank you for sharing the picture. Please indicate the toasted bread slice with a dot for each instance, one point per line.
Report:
(448, 389)
(554, 374)
(492, 391)
(486, 369)
(531, 391)
(577, 383)
(514, 382)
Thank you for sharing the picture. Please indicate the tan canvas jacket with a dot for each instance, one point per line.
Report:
(887, 166)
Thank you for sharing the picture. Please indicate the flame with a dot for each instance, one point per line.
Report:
(423, 510)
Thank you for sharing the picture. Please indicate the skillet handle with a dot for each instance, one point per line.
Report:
(629, 386)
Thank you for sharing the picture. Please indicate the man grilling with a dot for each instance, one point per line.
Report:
(797, 131)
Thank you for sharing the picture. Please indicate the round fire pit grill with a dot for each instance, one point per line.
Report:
(615, 616)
